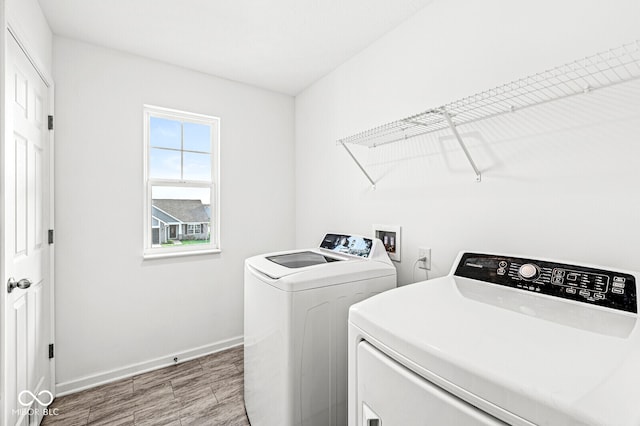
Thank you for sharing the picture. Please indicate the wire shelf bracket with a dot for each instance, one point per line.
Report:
(604, 69)
(353, 157)
(447, 117)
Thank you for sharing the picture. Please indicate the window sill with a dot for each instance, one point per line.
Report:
(151, 256)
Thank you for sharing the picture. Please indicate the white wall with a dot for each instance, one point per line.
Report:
(26, 18)
(559, 181)
(114, 310)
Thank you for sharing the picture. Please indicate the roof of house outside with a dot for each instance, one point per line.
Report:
(158, 214)
(187, 211)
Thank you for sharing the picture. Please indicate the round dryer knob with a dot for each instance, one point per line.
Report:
(529, 271)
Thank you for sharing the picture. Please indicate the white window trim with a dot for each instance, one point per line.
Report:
(150, 252)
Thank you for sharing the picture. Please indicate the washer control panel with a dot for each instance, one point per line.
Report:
(615, 290)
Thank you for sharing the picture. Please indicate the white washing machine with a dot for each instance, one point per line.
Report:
(295, 327)
(501, 339)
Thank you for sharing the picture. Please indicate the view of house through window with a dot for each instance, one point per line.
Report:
(181, 170)
(179, 221)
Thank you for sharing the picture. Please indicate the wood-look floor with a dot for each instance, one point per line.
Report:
(204, 391)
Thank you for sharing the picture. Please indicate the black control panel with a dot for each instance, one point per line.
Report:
(600, 287)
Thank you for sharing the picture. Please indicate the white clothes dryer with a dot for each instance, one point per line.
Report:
(295, 327)
(501, 339)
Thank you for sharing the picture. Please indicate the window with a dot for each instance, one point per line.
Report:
(194, 229)
(181, 178)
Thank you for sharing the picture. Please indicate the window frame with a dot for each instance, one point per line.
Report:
(150, 252)
(191, 228)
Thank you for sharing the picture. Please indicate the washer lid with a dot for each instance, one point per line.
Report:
(298, 270)
(284, 263)
(546, 360)
(301, 259)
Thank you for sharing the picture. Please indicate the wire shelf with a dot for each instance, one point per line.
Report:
(601, 70)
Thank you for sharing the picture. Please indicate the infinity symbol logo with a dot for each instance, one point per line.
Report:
(35, 398)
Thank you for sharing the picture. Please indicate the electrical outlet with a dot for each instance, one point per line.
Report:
(424, 252)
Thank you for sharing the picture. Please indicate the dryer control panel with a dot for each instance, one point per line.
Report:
(600, 287)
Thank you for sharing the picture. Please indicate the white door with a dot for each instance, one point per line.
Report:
(27, 331)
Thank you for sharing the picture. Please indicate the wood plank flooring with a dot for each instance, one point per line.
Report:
(204, 391)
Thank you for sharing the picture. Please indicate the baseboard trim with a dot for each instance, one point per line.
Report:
(94, 380)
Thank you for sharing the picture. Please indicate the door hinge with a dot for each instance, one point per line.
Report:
(50, 236)
(51, 122)
(50, 350)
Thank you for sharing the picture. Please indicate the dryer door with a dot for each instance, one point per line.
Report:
(390, 394)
